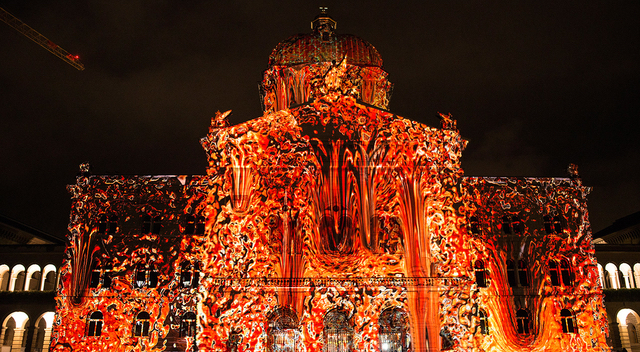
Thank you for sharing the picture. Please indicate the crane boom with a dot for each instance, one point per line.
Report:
(40, 39)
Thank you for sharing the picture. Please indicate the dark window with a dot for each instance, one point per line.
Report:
(553, 224)
(194, 225)
(557, 224)
(565, 272)
(523, 272)
(141, 325)
(151, 225)
(95, 277)
(94, 325)
(146, 276)
(107, 224)
(188, 325)
(506, 225)
(101, 277)
(511, 273)
(337, 332)
(554, 272)
(394, 330)
(607, 279)
(336, 229)
(189, 275)
(481, 273)
(484, 322)
(516, 224)
(568, 322)
(474, 225)
(523, 321)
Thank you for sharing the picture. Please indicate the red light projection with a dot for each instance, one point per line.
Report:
(329, 224)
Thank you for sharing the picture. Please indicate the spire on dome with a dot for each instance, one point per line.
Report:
(323, 24)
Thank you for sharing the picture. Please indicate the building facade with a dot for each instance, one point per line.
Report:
(29, 264)
(329, 224)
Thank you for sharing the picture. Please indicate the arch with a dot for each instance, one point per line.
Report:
(567, 319)
(49, 274)
(141, 325)
(394, 334)
(42, 333)
(636, 273)
(613, 275)
(17, 278)
(5, 274)
(94, 324)
(338, 333)
(627, 275)
(33, 278)
(14, 331)
(628, 321)
(283, 334)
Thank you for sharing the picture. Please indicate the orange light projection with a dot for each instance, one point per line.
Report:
(329, 224)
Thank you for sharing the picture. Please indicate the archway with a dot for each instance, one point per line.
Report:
(628, 321)
(42, 333)
(13, 331)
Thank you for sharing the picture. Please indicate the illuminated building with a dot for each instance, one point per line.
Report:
(329, 224)
(29, 263)
(618, 252)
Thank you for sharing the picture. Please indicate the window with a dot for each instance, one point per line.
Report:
(553, 224)
(523, 321)
(337, 332)
(548, 224)
(554, 272)
(151, 225)
(523, 272)
(141, 325)
(188, 325)
(481, 273)
(146, 276)
(101, 276)
(511, 273)
(568, 322)
(283, 330)
(506, 225)
(189, 275)
(94, 325)
(565, 273)
(234, 341)
(516, 224)
(194, 225)
(107, 224)
(474, 225)
(483, 322)
(394, 331)
(557, 224)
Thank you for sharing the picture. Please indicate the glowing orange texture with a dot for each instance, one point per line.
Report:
(332, 204)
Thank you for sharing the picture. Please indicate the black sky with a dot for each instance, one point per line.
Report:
(534, 86)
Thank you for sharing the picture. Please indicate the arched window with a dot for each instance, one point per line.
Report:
(188, 325)
(607, 279)
(474, 225)
(612, 270)
(337, 332)
(483, 322)
(146, 276)
(49, 282)
(189, 275)
(523, 272)
(107, 224)
(94, 325)
(141, 325)
(18, 278)
(627, 274)
(394, 331)
(151, 225)
(194, 225)
(565, 272)
(283, 330)
(5, 274)
(568, 322)
(511, 273)
(554, 272)
(34, 278)
(523, 321)
(481, 273)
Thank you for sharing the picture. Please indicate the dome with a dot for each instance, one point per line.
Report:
(323, 45)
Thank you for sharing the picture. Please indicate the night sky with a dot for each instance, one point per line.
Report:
(534, 86)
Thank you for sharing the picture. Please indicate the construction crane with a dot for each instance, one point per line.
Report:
(40, 39)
